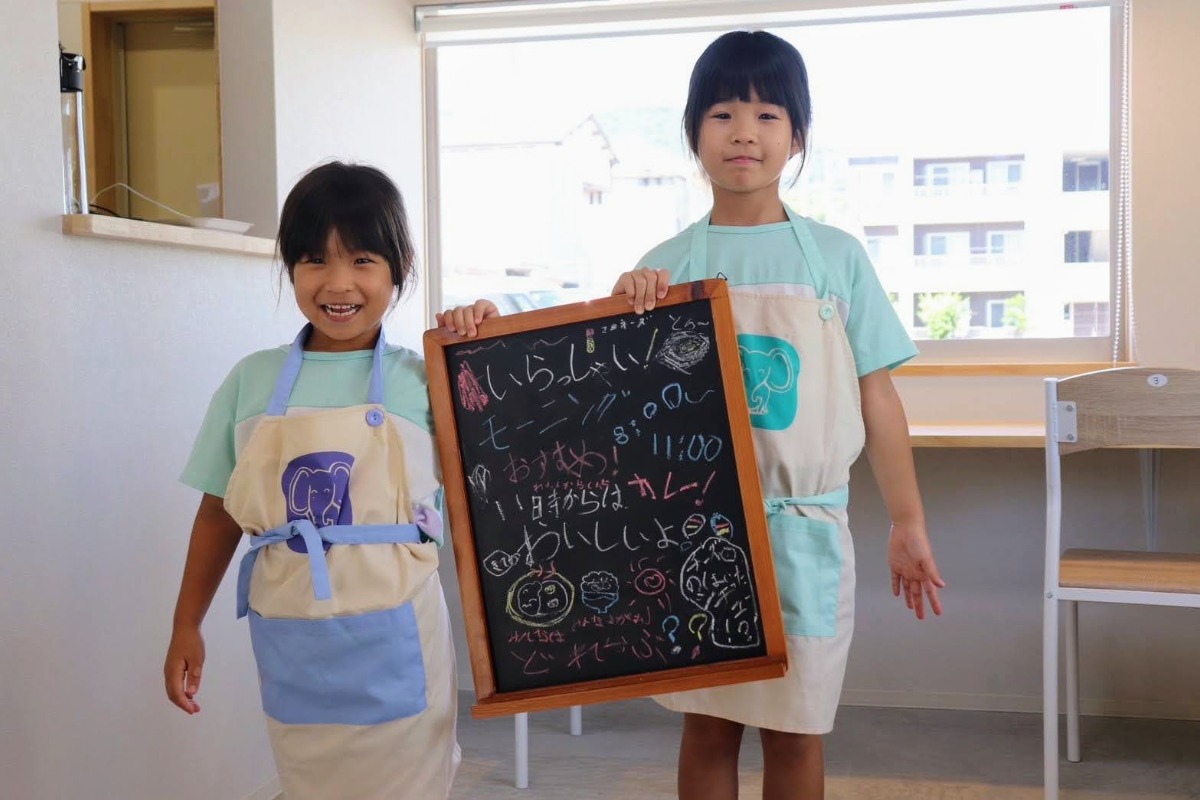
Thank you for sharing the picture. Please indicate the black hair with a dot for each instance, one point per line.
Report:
(361, 204)
(740, 61)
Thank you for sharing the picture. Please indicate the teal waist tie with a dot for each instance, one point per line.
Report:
(838, 498)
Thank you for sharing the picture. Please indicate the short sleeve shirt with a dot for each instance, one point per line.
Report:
(770, 254)
(326, 380)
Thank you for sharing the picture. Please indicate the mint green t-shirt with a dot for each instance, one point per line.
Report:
(326, 380)
(771, 255)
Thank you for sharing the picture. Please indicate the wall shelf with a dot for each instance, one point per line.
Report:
(978, 434)
(132, 230)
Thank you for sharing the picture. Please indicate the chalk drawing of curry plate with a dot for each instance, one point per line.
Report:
(683, 350)
(540, 599)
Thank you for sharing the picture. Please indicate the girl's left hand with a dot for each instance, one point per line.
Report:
(914, 571)
(464, 320)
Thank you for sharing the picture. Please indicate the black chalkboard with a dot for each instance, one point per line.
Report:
(604, 505)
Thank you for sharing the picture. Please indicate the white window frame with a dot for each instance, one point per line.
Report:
(449, 23)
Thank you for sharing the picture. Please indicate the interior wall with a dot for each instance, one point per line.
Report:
(111, 352)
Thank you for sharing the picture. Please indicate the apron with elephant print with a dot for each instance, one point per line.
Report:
(806, 414)
(347, 618)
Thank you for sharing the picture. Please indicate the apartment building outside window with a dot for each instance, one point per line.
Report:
(978, 201)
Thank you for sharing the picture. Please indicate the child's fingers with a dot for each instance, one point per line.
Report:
(895, 584)
(918, 599)
(935, 602)
(933, 576)
(664, 283)
(639, 291)
(192, 684)
(177, 679)
(484, 309)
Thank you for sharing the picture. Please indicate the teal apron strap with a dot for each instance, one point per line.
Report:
(812, 253)
(697, 266)
(838, 498)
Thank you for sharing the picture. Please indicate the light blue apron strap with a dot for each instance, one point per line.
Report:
(313, 538)
(697, 266)
(838, 498)
(295, 360)
(287, 374)
(812, 253)
(375, 392)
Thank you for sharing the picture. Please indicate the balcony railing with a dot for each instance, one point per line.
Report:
(968, 189)
(967, 259)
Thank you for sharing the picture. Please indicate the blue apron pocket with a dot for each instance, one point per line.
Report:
(808, 563)
(355, 670)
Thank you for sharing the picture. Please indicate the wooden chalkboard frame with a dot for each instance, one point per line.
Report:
(493, 703)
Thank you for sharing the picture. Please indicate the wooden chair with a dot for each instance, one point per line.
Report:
(1135, 408)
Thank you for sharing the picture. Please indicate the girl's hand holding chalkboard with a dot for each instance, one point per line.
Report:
(643, 287)
(914, 572)
(464, 319)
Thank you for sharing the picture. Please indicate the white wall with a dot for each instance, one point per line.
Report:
(110, 353)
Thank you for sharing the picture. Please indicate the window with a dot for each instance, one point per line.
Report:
(883, 244)
(1085, 173)
(1082, 247)
(995, 313)
(1003, 173)
(1087, 318)
(941, 190)
(942, 173)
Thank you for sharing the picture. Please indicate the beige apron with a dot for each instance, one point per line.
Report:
(806, 412)
(347, 619)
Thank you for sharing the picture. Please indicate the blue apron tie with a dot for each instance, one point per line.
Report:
(838, 498)
(409, 533)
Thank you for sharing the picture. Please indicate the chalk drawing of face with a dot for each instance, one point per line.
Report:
(600, 591)
(540, 599)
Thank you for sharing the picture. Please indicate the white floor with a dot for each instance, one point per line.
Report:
(628, 750)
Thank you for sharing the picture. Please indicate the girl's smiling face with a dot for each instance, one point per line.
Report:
(344, 294)
(744, 146)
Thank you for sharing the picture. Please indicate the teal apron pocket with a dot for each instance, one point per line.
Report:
(363, 669)
(808, 563)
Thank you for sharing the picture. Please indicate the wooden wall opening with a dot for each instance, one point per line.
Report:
(123, 46)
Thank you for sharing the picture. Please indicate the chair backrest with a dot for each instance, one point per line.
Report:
(1124, 407)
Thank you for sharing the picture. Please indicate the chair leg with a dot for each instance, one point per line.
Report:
(1072, 669)
(1050, 696)
(576, 720)
(521, 729)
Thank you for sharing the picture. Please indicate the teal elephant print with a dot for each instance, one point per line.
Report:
(771, 370)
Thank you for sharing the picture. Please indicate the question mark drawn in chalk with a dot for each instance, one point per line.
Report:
(670, 631)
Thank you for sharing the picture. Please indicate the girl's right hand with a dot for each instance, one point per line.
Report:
(185, 659)
(464, 319)
(643, 287)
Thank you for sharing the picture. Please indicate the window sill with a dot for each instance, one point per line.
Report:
(1034, 369)
(131, 230)
(983, 435)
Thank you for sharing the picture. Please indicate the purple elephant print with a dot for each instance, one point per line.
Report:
(317, 488)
